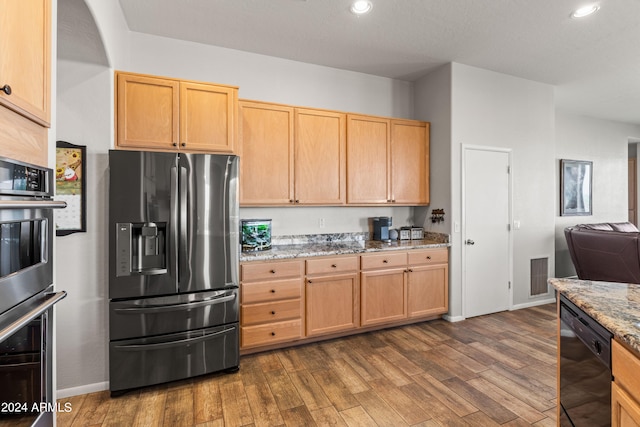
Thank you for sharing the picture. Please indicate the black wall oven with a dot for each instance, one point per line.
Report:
(26, 293)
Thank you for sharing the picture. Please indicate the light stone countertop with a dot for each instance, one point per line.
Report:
(616, 306)
(313, 248)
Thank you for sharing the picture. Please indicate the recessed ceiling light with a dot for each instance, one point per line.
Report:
(361, 7)
(585, 11)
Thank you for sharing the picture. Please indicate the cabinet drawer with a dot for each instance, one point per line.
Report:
(625, 366)
(270, 312)
(270, 291)
(428, 256)
(270, 270)
(271, 333)
(332, 265)
(384, 260)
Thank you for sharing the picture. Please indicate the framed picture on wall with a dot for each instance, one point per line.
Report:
(71, 187)
(576, 178)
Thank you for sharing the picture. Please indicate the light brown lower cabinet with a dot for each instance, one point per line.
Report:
(427, 283)
(331, 293)
(270, 303)
(384, 296)
(296, 301)
(625, 389)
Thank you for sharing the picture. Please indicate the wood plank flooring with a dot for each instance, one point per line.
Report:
(492, 370)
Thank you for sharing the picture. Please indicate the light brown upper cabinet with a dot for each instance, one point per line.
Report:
(25, 75)
(25, 64)
(387, 161)
(319, 153)
(409, 162)
(291, 155)
(368, 159)
(156, 113)
(266, 154)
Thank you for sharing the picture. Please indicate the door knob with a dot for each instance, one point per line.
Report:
(470, 242)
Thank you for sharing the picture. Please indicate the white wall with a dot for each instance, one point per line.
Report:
(83, 103)
(485, 108)
(492, 109)
(433, 103)
(85, 116)
(605, 143)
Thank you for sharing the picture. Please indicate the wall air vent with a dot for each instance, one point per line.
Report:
(539, 276)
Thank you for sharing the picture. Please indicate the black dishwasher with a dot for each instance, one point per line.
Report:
(585, 368)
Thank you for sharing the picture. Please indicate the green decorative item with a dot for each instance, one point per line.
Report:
(256, 234)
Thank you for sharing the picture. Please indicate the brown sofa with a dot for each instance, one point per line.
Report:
(607, 252)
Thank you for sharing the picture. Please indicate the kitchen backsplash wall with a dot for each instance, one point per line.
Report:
(321, 220)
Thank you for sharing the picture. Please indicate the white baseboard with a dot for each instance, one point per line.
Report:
(453, 318)
(533, 303)
(83, 389)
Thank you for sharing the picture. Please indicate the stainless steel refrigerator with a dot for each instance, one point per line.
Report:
(173, 266)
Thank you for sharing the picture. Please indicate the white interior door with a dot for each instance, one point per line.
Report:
(486, 241)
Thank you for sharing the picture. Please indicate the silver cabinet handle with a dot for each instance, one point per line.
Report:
(470, 242)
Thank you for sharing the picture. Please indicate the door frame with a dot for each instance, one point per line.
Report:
(508, 151)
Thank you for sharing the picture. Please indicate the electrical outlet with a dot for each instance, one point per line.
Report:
(320, 222)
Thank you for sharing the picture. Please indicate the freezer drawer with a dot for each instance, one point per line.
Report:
(159, 359)
(175, 313)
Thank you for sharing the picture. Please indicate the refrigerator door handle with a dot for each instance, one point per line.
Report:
(184, 212)
(173, 307)
(174, 226)
(176, 343)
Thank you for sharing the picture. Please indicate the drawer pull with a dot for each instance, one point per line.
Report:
(273, 291)
(384, 261)
(309, 281)
(273, 312)
(334, 266)
(272, 271)
(6, 89)
(428, 256)
(273, 334)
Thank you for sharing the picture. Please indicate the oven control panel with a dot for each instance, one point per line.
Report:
(19, 178)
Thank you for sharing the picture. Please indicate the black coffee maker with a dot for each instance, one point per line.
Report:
(381, 226)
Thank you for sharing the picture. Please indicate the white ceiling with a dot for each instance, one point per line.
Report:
(594, 63)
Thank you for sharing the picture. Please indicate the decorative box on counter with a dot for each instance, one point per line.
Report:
(256, 234)
(404, 233)
(417, 233)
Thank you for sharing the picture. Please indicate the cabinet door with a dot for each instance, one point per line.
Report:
(25, 62)
(428, 290)
(331, 304)
(147, 112)
(266, 154)
(383, 296)
(207, 117)
(320, 163)
(625, 411)
(410, 162)
(367, 159)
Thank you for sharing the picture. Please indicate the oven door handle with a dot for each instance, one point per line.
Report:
(13, 327)
(173, 307)
(32, 204)
(169, 344)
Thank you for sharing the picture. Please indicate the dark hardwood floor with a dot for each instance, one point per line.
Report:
(498, 369)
